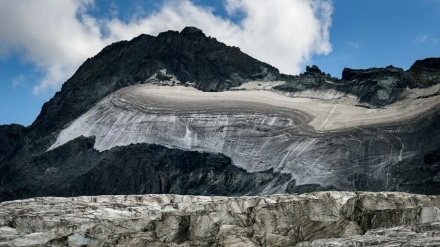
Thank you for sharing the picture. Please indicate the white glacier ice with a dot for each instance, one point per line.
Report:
(256, 129)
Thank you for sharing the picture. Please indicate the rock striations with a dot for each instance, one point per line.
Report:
(184, 113)
(316, 219)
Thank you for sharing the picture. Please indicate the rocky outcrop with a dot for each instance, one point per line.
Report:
(375, 87)
(172, 220)
(425, 73)
(313, 78)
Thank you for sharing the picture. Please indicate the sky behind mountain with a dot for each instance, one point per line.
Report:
(44, 42)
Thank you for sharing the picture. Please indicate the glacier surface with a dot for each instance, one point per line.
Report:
(259, 130)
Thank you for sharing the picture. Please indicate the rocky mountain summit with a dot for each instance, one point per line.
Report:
(316, 219)
(189, 55)
(184, 113)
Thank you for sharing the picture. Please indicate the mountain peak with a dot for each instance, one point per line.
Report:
(190, 56)
(191, 30)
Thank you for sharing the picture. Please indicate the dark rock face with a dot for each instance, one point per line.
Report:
(371, 74)
(10, 137)
(425, 73)
(376, 87)
(313, 78)
(77, 169)
(314, 69)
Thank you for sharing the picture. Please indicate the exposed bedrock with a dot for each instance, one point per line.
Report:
(374, 87)
(425, 73)
(76, 168)
(10, 137)
(357, 219)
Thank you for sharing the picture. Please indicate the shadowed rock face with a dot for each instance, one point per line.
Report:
(251, 149)
(376, 86)
(358, 219)
(10, 137)
(78, 169)
(424, 73)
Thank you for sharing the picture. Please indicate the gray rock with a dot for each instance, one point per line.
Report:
(10, 138)
(425, 73)
(78, 169)
(316, 219)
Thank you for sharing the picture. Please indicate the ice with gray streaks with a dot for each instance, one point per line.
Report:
(258, 133)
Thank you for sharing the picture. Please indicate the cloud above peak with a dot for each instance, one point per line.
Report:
(57, 36)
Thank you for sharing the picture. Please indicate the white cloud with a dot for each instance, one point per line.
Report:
(422, 38)
(284, 33)
(19, 81)
(57, 36)
(355, 44)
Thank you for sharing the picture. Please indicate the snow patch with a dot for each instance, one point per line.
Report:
(259, 85)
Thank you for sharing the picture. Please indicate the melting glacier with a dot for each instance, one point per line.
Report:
(256, 135)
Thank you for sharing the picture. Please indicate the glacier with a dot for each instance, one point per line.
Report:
(259, 130)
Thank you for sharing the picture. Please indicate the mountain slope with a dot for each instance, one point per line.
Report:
(105, 133)
(189, 55)
(330, 143)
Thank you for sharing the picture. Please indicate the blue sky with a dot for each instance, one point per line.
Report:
(378, 33)
(363, 34)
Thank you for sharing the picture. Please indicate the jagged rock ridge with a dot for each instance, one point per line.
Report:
(375, 87)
